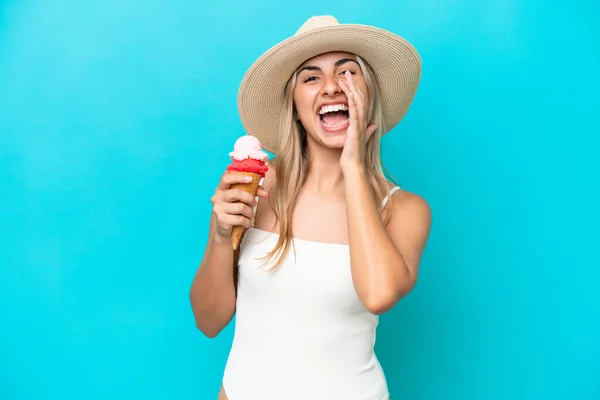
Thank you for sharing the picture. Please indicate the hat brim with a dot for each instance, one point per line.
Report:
(395, 62)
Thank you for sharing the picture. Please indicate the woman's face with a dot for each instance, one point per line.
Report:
(321, 104)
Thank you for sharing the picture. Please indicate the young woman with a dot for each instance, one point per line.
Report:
(332, 243)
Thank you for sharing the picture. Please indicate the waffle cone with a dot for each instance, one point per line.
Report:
(251, 187)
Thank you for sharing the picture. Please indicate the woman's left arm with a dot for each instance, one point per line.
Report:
(384, 259)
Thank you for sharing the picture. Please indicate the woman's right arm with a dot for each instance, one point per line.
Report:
(213, 291)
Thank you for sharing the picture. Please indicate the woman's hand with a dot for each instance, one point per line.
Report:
(233, 206)
(358, 133)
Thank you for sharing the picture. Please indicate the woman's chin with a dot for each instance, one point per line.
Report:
(337, 142)
(331, 140)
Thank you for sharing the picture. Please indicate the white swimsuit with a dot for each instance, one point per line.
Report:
(301, 332)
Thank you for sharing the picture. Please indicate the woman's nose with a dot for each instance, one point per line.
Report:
(331, 87)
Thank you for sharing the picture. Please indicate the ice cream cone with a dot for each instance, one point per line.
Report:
(247, 158)
(251, 187)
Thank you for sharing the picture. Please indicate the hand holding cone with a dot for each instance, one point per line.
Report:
(247, 159)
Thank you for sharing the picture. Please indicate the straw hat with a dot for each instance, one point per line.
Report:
(396, 63)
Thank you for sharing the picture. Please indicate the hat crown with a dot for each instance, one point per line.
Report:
(318, 21)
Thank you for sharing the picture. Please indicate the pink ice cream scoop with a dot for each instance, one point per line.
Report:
(248, 147)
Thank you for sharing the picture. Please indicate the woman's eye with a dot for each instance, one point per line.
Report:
(310, 78)
(349, 70)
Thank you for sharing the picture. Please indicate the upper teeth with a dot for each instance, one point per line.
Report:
(336, 107)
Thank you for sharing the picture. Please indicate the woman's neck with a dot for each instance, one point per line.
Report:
(324, 172)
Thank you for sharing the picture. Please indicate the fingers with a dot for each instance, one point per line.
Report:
(229, 214)
(235, 209)
(353, 87)
(232, 214)
(237, 195)
(234, 206)
(229, 179)
(261, 192)
(227, 221)
(355, 99)
(240, 195)
(353, 111)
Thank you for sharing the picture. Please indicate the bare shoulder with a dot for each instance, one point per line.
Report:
(405, 202)
(409, 224)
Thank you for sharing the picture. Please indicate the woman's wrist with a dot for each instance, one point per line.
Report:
(221, 240)
(353, 169)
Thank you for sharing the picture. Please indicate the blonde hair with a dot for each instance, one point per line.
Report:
(292, 161)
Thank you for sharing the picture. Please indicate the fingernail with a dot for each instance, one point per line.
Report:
(248, 179)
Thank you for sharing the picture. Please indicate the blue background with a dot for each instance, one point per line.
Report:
(115, 121)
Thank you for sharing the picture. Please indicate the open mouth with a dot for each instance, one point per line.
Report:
(334, 117)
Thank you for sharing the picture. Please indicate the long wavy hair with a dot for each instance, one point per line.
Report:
(292, 162)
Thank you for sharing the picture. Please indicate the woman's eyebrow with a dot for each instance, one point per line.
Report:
(344, 61)
(337, 64)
